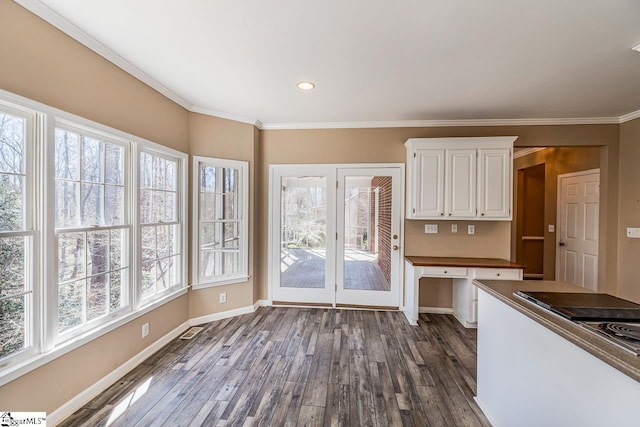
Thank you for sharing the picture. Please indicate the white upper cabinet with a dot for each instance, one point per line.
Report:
(459, 178)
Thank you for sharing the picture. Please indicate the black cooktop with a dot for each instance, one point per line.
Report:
(585, 306)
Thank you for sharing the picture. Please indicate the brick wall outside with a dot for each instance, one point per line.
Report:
(384, 223)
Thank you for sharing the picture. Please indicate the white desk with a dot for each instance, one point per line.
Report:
(463, 271)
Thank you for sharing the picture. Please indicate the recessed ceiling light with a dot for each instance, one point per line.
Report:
(306, 85)
(636, 47)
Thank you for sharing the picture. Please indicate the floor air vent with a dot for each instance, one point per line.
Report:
(192, 332)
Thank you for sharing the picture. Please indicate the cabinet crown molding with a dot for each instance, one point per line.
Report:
(463, 142)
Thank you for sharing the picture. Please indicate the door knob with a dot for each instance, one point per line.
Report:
(395, 236)
(395, 247)
(561, 244)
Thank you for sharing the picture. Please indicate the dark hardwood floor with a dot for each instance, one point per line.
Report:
(292, 366)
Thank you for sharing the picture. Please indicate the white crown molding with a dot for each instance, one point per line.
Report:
(527, 151)
(443, 123)
(631, 116)
(46, 13)
(49, 15)
(223, 115)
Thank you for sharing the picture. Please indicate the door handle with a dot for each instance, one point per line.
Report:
(395, 247)
(562, 244)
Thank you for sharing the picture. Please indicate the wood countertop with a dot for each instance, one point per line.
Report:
(596, 345)
(431, 261)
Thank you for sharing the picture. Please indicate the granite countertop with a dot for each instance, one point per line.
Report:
(598, 346)
(434, 261)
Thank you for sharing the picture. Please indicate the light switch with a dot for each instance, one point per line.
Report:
(552, 228)
(431, 228)
(471, 229)
(454, 228)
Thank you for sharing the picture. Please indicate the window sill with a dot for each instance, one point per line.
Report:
(13, 372)
(228, 281)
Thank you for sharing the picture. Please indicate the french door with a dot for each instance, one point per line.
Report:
(335, 235)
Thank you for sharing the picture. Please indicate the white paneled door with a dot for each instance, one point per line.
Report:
(578, 215)
(335, 235)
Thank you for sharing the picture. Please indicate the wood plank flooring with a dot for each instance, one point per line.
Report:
(302, 367)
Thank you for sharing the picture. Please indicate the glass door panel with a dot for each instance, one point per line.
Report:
(369, 221)
(303, 207)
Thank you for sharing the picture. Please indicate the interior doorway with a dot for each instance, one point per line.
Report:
(530, 222)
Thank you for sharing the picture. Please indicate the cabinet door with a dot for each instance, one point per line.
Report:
(460, 185)
(429, 184)
(494, 183)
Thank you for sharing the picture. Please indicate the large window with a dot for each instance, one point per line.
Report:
(160, 225)
(92, 227)
(220, 221)
(16, 234)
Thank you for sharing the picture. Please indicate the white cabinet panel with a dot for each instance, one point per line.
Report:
(429, 183)
(494, 183)
(460, 185)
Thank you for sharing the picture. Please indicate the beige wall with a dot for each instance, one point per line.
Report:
(41, 63)
(225, 139)
(557, 161)
(629, 249)
(382, 145)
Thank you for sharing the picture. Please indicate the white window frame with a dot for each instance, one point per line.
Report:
(47, 346)
(199, 282)
(32, 229)
(84, 130)
(181, 160)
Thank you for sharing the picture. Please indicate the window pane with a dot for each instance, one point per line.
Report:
(92, 159)
(148, 243)
(158, 213)
(166, 273)
(115, 290)
(90, 204)
(117, 255)
(207, 179)
(146, 206)
(71, 256)
(230, 180)
(67, 204)
(98, 247)
(170, 207)
(171, 178)
(11, 202)
(113, 205)
(12, 139)
(232, 235)
(158, 173)
(146, 162)
(67, 155)
(12, 325)
(231, 262)
(230, 206)
(70, 304)
(164, 243)
(207, 207)
(97, 296)
(114, 165)
(148, 278)
(12, 265)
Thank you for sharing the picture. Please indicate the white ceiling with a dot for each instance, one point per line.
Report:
(373, 60)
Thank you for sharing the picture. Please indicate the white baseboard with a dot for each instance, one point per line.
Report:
(435, 310)
(223, 315)
(101, 385)
(261, 303)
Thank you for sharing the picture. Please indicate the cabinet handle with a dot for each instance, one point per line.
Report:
(498, 274)
(449, 213)
(445, 272)
(482, 214)
(441, 213)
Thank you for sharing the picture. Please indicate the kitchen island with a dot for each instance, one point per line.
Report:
(536, 368)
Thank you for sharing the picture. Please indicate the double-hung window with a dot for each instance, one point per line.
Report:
(161, 225)
(220, 226)
(92, 227)
(18, 252)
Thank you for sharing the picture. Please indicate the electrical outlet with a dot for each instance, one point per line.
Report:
(431, 228)
(471, 229)
(223, 297)
(633, 233)
(454, 228)
(145, 330)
